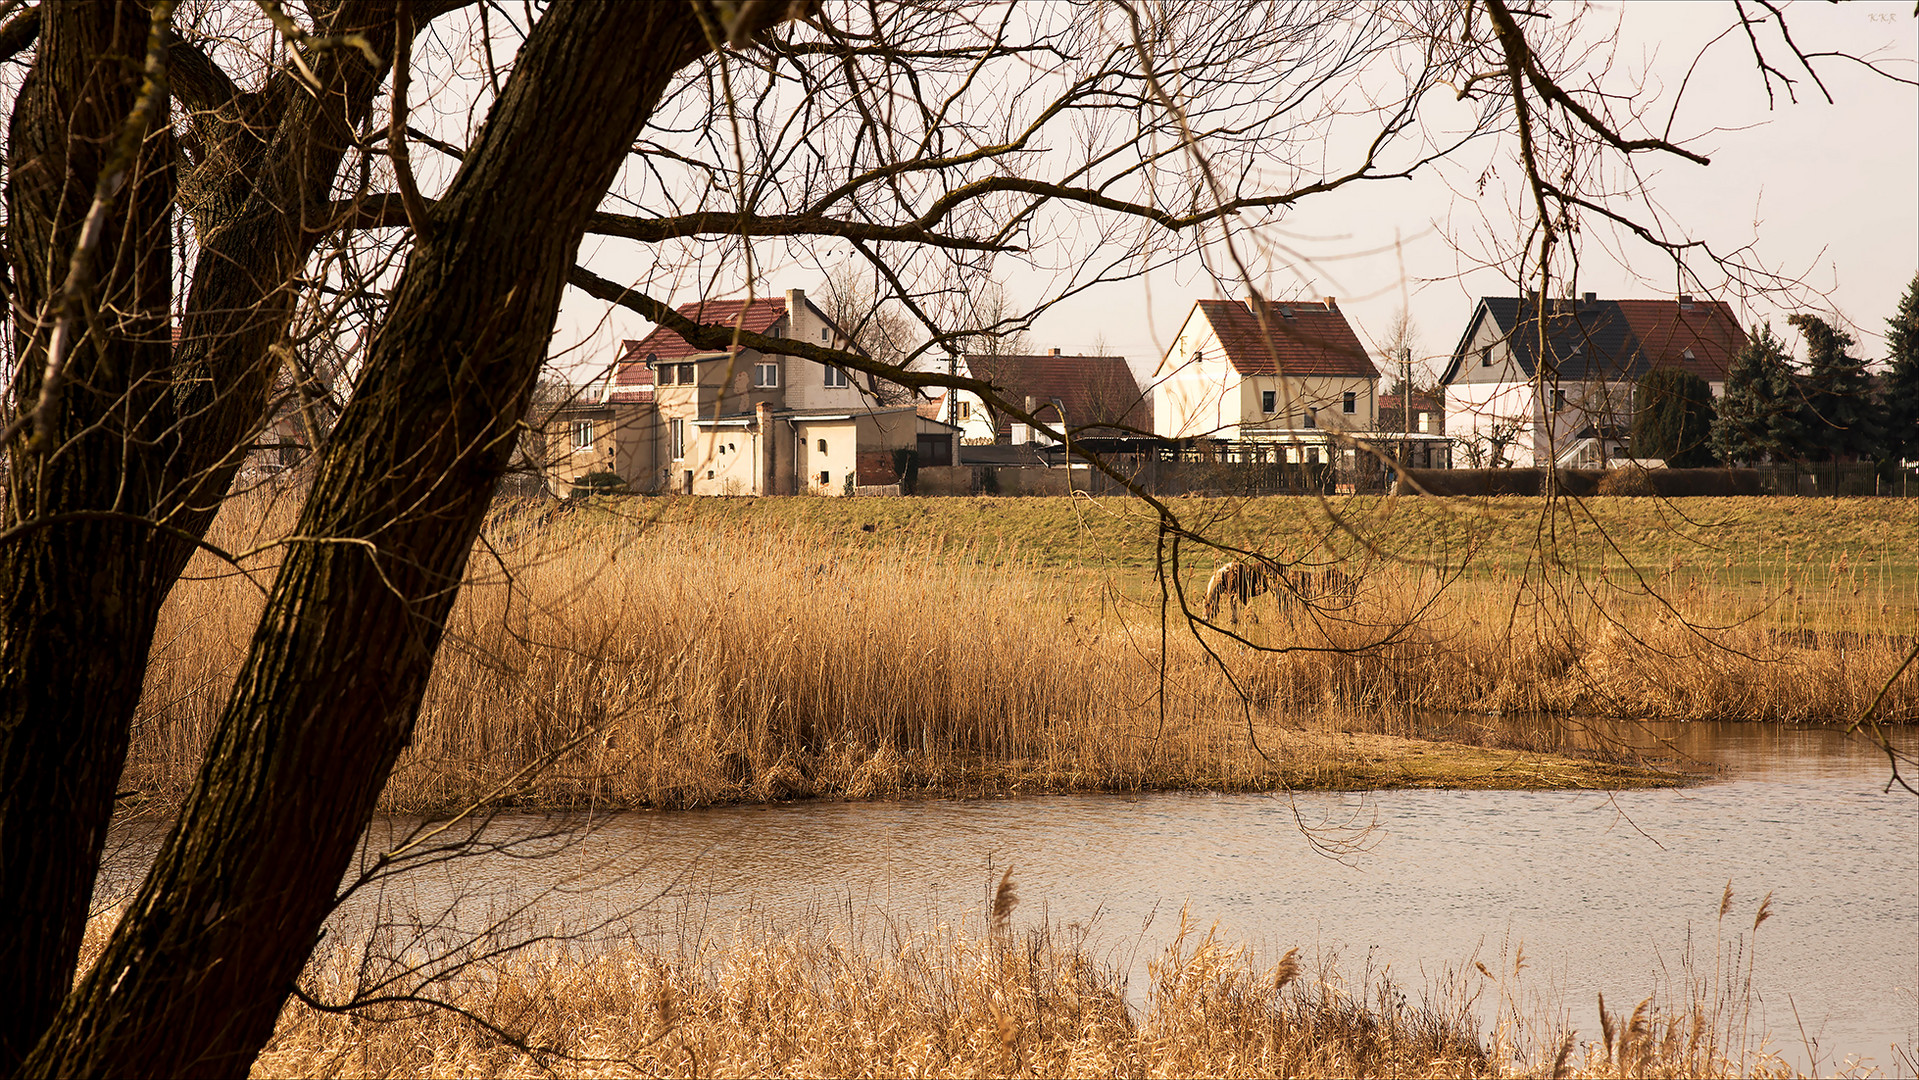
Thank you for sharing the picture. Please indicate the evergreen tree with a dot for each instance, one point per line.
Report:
(1839, 418)
(1758, 416)
(1902, 381)
(1672, 419)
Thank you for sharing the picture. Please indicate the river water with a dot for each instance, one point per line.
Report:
(1605, 892)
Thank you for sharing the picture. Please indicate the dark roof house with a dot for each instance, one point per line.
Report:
(1594, 340)
(1099, 392)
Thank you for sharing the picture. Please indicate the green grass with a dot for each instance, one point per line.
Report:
(1835, 553)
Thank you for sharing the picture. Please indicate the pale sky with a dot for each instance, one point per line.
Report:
(1826, 193)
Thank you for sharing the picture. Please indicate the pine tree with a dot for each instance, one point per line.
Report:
(1840, 418)
(1758, 416)
(1672, 418)
(1902, 381)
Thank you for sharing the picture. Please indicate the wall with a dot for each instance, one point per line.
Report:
(1191, 398)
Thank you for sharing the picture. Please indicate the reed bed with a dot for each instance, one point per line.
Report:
(606, 659)
(949, 1001)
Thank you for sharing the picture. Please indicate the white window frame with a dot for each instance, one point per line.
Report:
(676, 437)
(835, 379)
(582, 428)
(766, 376)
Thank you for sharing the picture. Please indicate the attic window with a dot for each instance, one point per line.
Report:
(823, 333)
(1688, 355)
(1285, 312)
(1486, 357)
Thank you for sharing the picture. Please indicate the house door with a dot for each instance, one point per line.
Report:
(686, 482)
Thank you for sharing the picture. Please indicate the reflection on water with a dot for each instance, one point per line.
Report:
(1605, 891)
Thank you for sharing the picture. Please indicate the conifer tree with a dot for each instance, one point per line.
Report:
(1839, 419)
(1902, 380)
(1758, 416)
(1672, 418)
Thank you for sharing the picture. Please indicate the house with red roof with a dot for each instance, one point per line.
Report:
(1528, 383)
(1099, 394)
(673, 417)
(1286, 372)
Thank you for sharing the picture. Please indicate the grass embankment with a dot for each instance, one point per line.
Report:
(651, 653)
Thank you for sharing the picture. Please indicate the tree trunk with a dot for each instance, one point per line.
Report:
(74, 639)
(196, 974)
(147, 432)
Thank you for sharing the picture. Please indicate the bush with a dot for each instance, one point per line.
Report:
(601, 482)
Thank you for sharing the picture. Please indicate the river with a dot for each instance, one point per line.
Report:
(1605, 892)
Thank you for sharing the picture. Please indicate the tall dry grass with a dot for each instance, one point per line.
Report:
(611, 660)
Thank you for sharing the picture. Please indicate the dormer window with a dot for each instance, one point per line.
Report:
(1688, 355)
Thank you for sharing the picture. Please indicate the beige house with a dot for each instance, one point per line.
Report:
(739, 421)
(1289, 383)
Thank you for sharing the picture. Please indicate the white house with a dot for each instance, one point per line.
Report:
(1289, 379)
(1504, 407)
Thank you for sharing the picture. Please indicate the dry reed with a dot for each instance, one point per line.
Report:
(599, 659)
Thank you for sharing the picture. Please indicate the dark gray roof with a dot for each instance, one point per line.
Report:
(1616, 340)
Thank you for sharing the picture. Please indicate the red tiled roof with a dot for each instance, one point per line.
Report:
(1666, 332)
(1306, 339)
(665, 345)
(1096, 390)
(930, 407)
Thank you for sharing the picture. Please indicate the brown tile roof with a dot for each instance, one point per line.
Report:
(1096, 390)
(665, 345)
(1666, 332)
(1426, 402)
(930, 407)
(1307, 338)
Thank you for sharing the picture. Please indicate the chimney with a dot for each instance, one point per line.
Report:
(1685, 301)
(1055, 352)
(1332, 304)
(1592, 298)
(795, 306)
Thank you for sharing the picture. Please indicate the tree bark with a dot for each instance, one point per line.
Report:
(74, 633)
(148, 432)
(195, 976)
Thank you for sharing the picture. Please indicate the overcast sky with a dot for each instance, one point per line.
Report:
(1828, 193)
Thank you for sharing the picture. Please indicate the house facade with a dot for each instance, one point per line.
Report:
(1293, 378)
(673, 418)
(1526, 385)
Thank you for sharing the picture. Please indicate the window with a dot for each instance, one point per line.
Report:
(766, 376)
(822, 446)
(676, 437)
(1351, 404)
(1486, 357)
(823, 336)
(1312, 419)
(835, 378)
(1267, 401)
(582, 436)
(1559, 401)
(826, 478)
(688, 374)
(965, 410)
(1312, 453)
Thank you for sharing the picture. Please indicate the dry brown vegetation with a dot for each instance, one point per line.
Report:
(608, 658)
(945, 1003)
